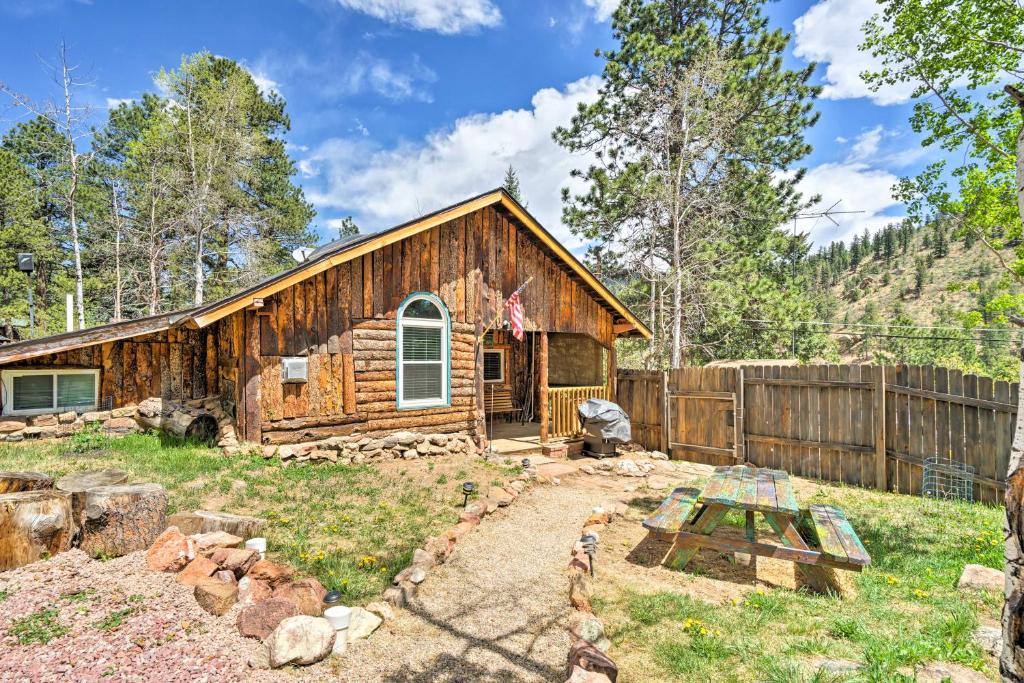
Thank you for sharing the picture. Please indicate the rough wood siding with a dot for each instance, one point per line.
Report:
(174, 364)
(343, 321)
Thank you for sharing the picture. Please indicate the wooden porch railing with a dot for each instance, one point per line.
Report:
(562, 405)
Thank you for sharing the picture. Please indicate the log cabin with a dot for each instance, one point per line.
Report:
(401, 329)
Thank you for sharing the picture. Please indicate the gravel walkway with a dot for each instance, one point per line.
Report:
(496, 611)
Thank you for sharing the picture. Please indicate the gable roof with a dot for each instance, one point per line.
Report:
(323, 258)
(343, 250)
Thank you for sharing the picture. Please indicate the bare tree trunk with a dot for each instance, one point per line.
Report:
(118, 283)
(677, 297)
(199, 268)
(73, 189)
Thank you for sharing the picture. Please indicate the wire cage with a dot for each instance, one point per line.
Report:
(947, 479)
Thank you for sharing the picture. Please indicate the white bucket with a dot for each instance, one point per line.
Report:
(339, 617)
(259, 545)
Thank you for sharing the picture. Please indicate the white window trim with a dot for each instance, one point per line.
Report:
(501, 377)
(445, 326)
(7, 386)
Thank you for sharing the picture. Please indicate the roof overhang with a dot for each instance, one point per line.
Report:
(220, 309)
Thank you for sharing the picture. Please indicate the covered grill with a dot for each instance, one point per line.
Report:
(604, 424)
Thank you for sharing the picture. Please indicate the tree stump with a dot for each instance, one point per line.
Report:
(204, 521)
(78, 483)
(118, 520)
(12, 482)
(177, 419)
(33, 525)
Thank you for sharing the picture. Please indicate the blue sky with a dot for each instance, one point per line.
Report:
(399, 107)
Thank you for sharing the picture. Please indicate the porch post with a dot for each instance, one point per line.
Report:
(543, 371)
(612, 395)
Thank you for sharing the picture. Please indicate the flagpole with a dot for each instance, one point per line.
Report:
(501, 311)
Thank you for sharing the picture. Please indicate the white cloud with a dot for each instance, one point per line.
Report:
(443, 16)
(603, 9)
(385, 186)
(866, 145)
(368, 72)
(861, 187)
(830, 32)
(115, 102)
(266, 84)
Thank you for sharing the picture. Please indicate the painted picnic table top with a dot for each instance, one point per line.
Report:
(750, 488)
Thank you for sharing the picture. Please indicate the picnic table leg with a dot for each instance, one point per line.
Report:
(820, 578)
(679, 556)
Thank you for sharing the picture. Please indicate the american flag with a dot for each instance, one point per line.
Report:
(514, 306)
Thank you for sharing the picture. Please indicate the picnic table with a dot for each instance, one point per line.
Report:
(816, 538)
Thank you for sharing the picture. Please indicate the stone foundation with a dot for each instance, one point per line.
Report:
(357, 449)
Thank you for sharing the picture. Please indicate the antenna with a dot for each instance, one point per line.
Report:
(302, 253)
(827, 213)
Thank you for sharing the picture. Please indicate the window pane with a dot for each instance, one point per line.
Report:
(421, 343)
(422, 308)
(492, 366)
(76, 391)
(33, 392)
(422, 381)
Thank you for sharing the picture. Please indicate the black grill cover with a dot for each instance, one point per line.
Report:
(605, 419)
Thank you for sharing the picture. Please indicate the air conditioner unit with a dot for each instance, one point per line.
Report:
(294, 370)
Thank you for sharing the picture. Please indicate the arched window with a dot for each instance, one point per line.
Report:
(424, 352)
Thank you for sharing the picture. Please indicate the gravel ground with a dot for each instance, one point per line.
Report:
(496, 611)
(165, 636)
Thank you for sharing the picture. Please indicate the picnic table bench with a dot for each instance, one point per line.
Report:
(498, 400)
(816, 538)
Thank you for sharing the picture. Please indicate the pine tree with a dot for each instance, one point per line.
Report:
(511, 185)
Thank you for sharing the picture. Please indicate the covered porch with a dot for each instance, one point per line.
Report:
(531, 389)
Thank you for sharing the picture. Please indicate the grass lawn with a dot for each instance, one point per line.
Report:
(904, 610)
(352, 527)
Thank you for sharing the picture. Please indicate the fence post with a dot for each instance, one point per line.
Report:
(881, 478)
(665, 436)
(738, 424)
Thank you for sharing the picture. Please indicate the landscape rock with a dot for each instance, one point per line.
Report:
(500, 496)
(237, 560)
(225, 576)
(170, 552)
(260, 659)
(587, 469)
(43, 421)
(271, 572)
(980, 577)
(362, 623)
(422, 558)
(412, 574)
(206, 543)
(989, 639)
(440, 547)
(382, 610)
(11, 423)
(517, 485)
(941, 672)
(309, 596)
(251, 591)
(460, 530)
(260, 620)
(215, 596)
(581, 675)
(96, 416)
(300, 640)
(587, 657)
(195, 571)
(589, 628)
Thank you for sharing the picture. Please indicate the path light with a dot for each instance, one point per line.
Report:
(589, 542)
(332, 598)
(467, 490)
(526, 463)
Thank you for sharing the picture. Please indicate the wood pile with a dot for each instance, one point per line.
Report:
(94, 510)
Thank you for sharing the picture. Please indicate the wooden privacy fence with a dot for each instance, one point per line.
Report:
(562, 405)
(863, 425)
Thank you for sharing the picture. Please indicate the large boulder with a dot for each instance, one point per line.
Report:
(170, 552)
(309, 596)
(195, 571)
(260, 620)
(251, 591)
(300, 640)
(208, 542)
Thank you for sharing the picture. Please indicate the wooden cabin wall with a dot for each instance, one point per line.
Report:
(178, 364)
(343, 321)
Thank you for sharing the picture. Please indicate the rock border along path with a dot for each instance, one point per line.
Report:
(496, 610)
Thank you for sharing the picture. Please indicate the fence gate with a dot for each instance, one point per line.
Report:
(704, 415)
(641, 393)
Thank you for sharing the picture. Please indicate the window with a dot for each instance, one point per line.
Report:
(423, 352)
(28, 392)
(494, 365)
